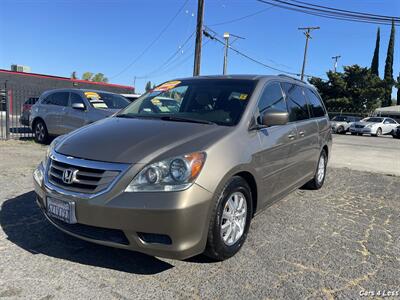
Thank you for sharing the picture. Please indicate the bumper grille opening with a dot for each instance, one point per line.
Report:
(93, 232)
(153, 238)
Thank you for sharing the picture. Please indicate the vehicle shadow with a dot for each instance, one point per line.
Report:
(24, 224)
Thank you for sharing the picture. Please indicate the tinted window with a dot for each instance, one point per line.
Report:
(316, 107)
(297, 104)
(341, 119)
(373, 120)
(75, 98)
(272, 97)
(59, 98)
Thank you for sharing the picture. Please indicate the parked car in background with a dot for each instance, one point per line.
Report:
(131, 97)
(176, 183)
(26, 110)
(396, 132)
(61, 111)
(374, 126)
(341, 124)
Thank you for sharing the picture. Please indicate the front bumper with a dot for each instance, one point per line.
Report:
(363, 130)
(133, 221)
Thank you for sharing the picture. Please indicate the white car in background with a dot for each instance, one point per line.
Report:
(374, 126)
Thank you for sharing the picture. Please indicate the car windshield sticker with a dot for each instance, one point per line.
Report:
(166, 86)
(92, 96)
(243, 96)
(155, 101)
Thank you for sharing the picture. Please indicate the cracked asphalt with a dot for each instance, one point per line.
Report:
(328, 244)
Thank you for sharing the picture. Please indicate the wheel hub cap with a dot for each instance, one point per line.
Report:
(321, 169)
(233, 218)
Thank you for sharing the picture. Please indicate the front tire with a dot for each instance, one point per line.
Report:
(378, 132)
(41, 133)
(230, 220)
(319, 177)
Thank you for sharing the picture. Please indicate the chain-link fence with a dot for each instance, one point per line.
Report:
(15, 109)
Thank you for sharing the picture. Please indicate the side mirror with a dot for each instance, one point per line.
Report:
(79, 106)
(273, 117)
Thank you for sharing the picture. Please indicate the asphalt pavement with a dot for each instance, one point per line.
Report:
(342, 242)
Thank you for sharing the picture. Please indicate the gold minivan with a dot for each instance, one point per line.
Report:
(184, 169)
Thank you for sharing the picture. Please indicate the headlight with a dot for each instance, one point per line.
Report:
(38, 174)
(174, 174)
(368, 126)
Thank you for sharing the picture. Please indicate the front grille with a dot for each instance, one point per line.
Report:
(93, 232)
(87, 180)
(359, 126)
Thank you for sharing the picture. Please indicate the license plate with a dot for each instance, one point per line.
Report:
(62, 210)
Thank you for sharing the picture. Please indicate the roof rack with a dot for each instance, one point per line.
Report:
(291, 77)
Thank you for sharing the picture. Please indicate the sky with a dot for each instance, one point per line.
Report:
(58, 37)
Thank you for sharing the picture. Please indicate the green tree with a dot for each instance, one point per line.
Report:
(87, 76)
(148, 86)
(375, 59)
(388, 77)
(354, 90)
(99, 77)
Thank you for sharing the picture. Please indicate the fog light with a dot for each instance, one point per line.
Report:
(38, 175)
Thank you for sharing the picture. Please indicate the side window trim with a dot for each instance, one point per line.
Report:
(309, 103)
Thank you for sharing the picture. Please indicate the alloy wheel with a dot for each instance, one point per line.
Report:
(321, 169)
(233, 219)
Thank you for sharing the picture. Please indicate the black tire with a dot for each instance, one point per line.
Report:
(378, 132)
(216, 248)
(353, 133)
(340, 130)
(316, 183)
(41, 133)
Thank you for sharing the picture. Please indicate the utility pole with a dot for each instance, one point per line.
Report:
(199, 35)
(307, 33)
(226, 37)
(336, 58)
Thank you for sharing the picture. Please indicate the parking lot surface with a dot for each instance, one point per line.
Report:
(333, 243)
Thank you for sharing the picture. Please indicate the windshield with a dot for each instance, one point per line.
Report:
(106, 100)
(340, 119)
(219, 101)
(373, 120)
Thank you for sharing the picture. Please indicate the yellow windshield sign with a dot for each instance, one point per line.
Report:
(167, 86)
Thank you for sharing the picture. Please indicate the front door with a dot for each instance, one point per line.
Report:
(74, 118)
(275, 146)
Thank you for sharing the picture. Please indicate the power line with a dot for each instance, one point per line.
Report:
(243, 17)
(207, 34)
(332, 13)
(153, 41)
(170, 59)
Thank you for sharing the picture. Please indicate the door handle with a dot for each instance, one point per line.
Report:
(301, 133)
(291, 136)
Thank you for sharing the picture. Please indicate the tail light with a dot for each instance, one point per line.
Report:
(26, 107)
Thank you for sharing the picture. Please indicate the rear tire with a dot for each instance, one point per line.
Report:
(319, 177)
(41, 133)
(340, 130)
(228, 230)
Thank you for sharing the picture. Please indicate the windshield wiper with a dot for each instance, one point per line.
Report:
(182, 119)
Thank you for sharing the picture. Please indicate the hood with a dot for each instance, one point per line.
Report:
(335, 123)
(124, 140)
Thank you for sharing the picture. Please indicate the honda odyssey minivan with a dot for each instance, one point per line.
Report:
(179, 180)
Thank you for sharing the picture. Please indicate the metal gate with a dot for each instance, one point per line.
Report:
(15, 106)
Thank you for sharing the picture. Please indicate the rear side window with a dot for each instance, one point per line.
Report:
(296, 101)
(58, 98)
(272, 97)
(316, 108)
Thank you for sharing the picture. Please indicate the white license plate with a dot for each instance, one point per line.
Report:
(62, 210)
